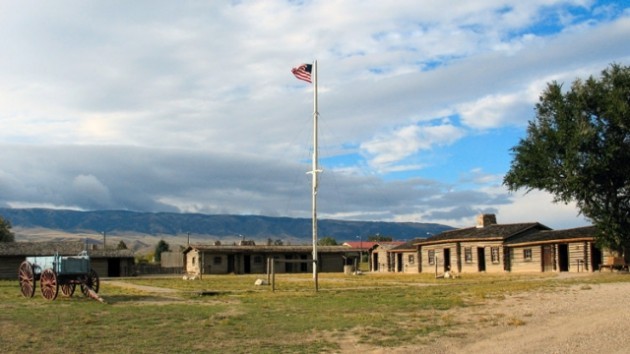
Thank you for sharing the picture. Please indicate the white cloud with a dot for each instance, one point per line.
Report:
(163, 106)
(386, 151)
(494, 111)
(538, 206)
(27, 205)
(481, 178)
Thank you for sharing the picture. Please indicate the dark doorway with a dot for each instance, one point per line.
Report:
(596, 257)
(507, 258)
(399, 261)
(375, 263)
(563, 257)
(447, 259)
(304, 265)
(547, 258)
(247, 264)
(113, 267)
(481, 259)
(230, 264)
(288, 267)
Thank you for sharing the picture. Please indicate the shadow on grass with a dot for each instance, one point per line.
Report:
(140, 299)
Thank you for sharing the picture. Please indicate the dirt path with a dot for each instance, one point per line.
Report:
(581, 319)
(147, 288)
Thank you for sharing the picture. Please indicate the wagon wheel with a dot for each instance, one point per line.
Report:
(68, 289)
(49, 284)
(91, 280)
(27, 279)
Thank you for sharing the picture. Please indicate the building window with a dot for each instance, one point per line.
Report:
(527, 254)
(494, 252)
(411, 259)
(257, 259)
(217, 260)
(468, 254)
(431, 256)
(193, 261)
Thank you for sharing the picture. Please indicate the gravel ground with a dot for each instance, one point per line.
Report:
(581, 319)
(592, 318)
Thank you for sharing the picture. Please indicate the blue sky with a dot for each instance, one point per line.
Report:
(191, 106)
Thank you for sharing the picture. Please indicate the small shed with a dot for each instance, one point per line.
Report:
(406, 257)
(364, 248)
(381, 260)
(107, 263)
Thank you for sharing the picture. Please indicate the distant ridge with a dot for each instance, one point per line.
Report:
(249, 226)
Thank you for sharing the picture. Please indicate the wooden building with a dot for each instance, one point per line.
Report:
(364, 247)
(494, 248)
(252, 259)
(474, 249)
(381, 260)
(406, 258)
(571, 250)
(106, 263)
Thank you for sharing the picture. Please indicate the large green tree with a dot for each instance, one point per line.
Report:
(327, 241)
(162, 246)
(578, 149)
(5, 231)
(121, 245)
(379, 238)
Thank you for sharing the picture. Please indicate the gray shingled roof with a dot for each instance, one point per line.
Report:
(63, 248)
(586, 233)
(272, 249)
(388, 245)
(408, 246)
(500, 232)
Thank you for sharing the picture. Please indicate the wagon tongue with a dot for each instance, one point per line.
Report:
(92, 294)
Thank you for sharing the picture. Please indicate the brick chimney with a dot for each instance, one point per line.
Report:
(484, 220)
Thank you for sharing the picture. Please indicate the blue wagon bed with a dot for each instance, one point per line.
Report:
(58, 272)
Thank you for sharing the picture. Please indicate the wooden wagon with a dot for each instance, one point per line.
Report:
(58, 272)
(612, 262)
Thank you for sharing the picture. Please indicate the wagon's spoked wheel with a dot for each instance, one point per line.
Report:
(27, 279)
(68, 289)
(91, 280)
(49, 284)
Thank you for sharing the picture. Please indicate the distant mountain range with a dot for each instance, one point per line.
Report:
(252, 227)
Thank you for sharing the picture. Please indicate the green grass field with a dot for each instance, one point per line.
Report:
(235, 316)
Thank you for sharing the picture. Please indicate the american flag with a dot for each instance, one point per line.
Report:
(303, 72)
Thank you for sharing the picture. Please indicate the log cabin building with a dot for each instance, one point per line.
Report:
(405, 258)
(252, 259)
(381, 257)
(571, 250)
(495, 248)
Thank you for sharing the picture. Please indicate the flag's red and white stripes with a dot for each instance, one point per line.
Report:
(303, 72)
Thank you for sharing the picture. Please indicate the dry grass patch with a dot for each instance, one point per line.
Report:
(515, 322)
(367, 312)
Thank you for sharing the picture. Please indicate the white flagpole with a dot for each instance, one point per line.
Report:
(315, 170)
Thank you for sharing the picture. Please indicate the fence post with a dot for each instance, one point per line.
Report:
(436, 266)
(268, 270)
(273, 276)
(316, 279)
